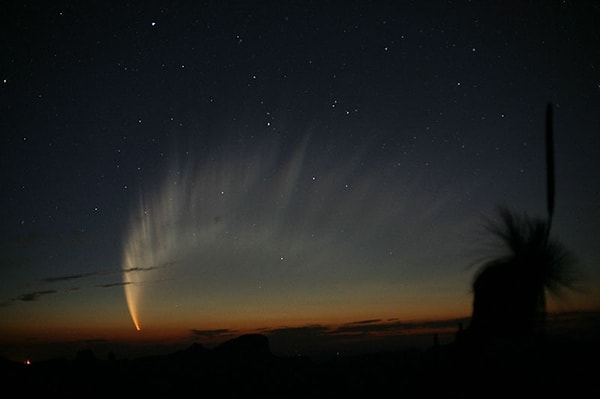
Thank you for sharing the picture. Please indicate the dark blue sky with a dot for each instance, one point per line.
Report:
(363, 142)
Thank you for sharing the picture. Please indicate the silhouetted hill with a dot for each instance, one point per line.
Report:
(248, 346)
(246, 366)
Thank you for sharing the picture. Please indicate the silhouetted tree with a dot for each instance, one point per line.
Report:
(510, 287)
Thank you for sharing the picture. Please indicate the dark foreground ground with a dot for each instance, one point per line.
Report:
(553, 367)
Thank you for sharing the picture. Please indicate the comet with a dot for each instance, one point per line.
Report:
(151, 243)
(182, 212)
(218, 228)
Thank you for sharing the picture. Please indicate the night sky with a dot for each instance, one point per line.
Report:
(203, 169)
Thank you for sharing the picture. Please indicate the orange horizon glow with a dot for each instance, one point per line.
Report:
(160, 326)
(183, 331)
(25, 343)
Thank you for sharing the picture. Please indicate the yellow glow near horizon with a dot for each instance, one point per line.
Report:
(131, 292)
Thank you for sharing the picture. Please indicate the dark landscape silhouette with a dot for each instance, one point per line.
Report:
(555, 366)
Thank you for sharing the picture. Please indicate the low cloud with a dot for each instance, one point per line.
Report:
(110, 285)
(213, 335)
(34, 296)
(70, 277)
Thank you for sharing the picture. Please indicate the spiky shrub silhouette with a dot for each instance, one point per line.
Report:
(510, 286)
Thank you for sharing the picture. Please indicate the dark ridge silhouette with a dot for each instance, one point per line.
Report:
(255, 346)
(244, 366)
(85, 355)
